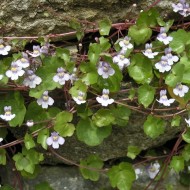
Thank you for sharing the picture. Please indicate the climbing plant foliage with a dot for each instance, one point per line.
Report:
(52, 94)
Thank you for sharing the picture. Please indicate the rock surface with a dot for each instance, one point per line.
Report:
(42, 17)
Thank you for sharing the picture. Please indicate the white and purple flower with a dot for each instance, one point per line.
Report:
(182, 8)
(15, 71)
(105, 70)
(171, 58)
(30, 123)
(1, 139)
(8, 116)
(162, 36)
(153, 170)
(80, 99)
(45, 100)
(121, 61)
(180, 90)
(55, 140)
(164, 99)
(188, 121)
(3, 48)
(104, 99)
(138, 172)
(125, 44)
(24, 61)
(148, 51)
(31, 80)
(1, 77)
(61, 76)
(163, 65)
(36, 51)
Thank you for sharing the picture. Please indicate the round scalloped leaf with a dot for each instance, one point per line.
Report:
(104, 26)
(93, 161)
(186, 136)
(153, 126)
(28, 141)
(122, 176)
(140, 35)
(177, 163)
(146, 95)
(90, 134)
(140, 69)
(103, 117)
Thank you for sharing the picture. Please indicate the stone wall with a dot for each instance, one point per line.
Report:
(41, 17)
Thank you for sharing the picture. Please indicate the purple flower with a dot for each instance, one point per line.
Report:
(45, 48)
(8, 116)
(31, 80)
(4, 49)
(15, 71)
(162, 36)
(164, 100)
(55, 140)
(104, 99)
(121, 61)
(24, 61)
(182, 8)
(45, 100)
(163, 65)
(61, 76)
(171, 58)
(148, 51)
(125, 44)
(80, 99)
(105, 70)
(153, 170)
(36, 51)
(180, 90)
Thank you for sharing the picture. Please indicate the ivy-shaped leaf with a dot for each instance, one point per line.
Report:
(133, 151)
(153, 126)
(146, 95)
(103, 117)
(177, 163)
(140, 69)
(104, 26)
(140, 34)
(122, 176)
(94, 162)
(62, 126)
(28, 141)
(90, 134)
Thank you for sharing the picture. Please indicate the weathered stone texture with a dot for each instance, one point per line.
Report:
(41, 17)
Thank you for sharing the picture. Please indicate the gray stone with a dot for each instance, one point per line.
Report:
(42, 17)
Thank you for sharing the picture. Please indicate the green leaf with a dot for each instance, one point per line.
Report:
(122, 176)
(176, 121)
(63, 54)
(121, 114)
(43, 186)
(90, 78)
(133, 151)
(79, 29)
(62, 126)
(140, 69)
(84, 111)
(92, 162)
(148, 18)
(42, 137)
(140, 35)
(16, 101)
(153, 126)
(104, 43)
(176, 76)
(104, 26)
(2, 157)
(7, 187)
(146, 95)
(180, 39)
(186, 136)
(28, 141)
(103, 117)
(90, 134)
(177, 163)
(94, 53)
(186, 152)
